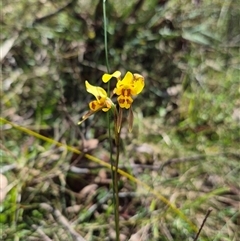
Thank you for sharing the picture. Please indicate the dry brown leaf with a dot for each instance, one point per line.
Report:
(6, 47)
(135, 237)
(174, 90)
(89, 190)
(90, 144)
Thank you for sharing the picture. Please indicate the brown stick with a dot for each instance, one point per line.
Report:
(204, 221)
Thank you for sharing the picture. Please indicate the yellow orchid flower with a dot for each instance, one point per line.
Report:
(126, 88)
(131, 85)
(102, 102)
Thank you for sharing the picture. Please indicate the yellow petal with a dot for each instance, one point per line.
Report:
(105, 109)
(99, 93)
(127, 80)
(118, 91)
(138, 81)
(107, 77)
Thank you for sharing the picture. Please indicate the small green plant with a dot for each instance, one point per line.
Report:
(126, 88)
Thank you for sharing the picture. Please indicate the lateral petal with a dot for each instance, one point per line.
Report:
(107, 77)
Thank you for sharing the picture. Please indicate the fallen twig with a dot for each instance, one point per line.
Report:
(204, 221)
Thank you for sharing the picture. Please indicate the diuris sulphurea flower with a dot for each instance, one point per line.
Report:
(102, 102)
(131, 85)
(126, 88)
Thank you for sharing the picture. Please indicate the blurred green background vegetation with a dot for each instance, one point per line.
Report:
(185, 138)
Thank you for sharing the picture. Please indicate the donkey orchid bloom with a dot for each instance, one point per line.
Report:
(126, 88)
(102, 102)
(131, 85)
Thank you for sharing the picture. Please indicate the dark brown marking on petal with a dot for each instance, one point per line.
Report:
(121, 101)
(93, 106)
(126, 92)
(129, 101)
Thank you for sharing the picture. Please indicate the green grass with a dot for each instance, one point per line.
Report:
(185, 139)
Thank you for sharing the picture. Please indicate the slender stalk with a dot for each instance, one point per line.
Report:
(105, 39)
(113, 171)
(117, 140)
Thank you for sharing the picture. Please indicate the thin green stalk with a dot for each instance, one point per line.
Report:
(105, 39)
(114, 171)
(116, 187)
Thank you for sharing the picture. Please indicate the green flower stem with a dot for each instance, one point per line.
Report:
(105, 39)
(114, 171)
(117, 140)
